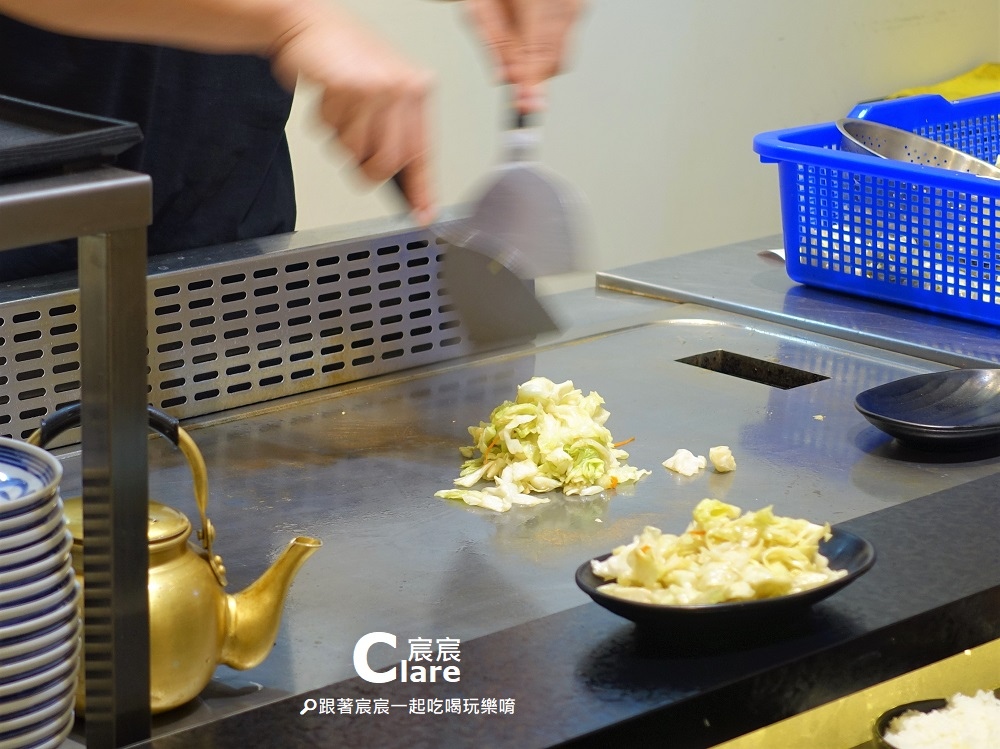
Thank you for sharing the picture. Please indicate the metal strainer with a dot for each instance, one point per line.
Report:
(875, 139)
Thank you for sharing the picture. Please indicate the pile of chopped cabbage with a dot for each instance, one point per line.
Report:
(723, 556)
(551, 437)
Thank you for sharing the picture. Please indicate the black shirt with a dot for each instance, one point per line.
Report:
(213, 125)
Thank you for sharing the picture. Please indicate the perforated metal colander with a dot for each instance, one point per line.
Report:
(876, 139)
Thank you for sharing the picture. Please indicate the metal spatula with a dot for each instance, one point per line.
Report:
(529, 213)
(494, 301)
(520, 228)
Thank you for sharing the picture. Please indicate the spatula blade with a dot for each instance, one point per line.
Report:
(531, 212)
(494, 303)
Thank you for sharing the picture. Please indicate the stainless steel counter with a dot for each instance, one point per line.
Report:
(357, 466)
(748, 279)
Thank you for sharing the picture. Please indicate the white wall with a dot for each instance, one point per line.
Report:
(654, 120)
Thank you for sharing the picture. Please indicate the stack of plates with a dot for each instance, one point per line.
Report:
(39, 619)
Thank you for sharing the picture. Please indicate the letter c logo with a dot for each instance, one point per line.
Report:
(361, 657)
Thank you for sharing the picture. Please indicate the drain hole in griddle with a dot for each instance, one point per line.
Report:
(755, 370)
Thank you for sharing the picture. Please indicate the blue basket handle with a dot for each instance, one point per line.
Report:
(917, 109)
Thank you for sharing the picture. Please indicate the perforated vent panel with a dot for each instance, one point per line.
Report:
(40, 356)
(236, 333)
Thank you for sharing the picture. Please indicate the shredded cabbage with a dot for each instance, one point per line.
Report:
(551, 437)
(685, 462)
(722, 556)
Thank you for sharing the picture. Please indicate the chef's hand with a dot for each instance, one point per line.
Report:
(527, 40)
(373, 99)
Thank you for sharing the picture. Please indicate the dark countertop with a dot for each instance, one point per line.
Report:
(596, 678)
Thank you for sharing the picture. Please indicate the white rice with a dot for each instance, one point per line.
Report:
(965, 723)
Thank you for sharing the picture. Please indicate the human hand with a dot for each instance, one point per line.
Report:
(527, 40)
(373, 99)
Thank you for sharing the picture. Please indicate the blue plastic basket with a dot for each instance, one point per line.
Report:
(915, 235)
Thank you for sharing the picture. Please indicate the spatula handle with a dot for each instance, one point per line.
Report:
(521, 140)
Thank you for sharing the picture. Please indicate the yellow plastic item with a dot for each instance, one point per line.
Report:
(982, 80)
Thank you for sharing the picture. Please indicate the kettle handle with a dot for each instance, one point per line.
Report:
(66, 418)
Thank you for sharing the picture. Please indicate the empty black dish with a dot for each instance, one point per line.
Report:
(954, 409)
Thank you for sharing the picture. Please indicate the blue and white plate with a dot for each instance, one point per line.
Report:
(31, 515)
(45, 601)
(41, 639)
(51, 712)
(42, 567)
(36, 735)
(62, 730)
(28, 701)
(40, 679)
(26, 473)
(45, 547)
(57, 614)
(66, 648)
(33, 534)
(32, 587)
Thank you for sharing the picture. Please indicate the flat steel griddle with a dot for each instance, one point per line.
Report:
(357, 465)
(748, 279)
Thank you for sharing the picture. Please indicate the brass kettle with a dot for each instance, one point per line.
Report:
(194, 624)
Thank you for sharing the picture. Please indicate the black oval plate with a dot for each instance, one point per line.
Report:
(844, 550)
(882, 722)
(955, 409)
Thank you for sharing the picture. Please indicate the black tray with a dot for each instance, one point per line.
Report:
(35, 137)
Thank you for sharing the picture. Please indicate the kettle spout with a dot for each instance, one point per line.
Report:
(254, 614)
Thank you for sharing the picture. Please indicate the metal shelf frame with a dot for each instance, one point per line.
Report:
(107, 210)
